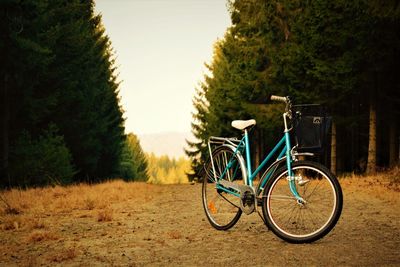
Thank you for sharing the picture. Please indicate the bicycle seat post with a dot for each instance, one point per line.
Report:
(248, 159)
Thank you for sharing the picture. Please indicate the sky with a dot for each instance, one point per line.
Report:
(161, 47)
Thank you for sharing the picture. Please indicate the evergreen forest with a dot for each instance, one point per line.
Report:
(60, 119)
(344, 55)
(60, 115)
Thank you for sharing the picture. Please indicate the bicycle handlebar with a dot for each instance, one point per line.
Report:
(279, 98)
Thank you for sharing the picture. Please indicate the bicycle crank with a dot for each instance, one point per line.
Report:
(247, 195)
(247, 201)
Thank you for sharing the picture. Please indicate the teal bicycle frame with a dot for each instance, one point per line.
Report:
(285, 148)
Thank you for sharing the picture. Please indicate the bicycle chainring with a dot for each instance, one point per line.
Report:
(247, 200)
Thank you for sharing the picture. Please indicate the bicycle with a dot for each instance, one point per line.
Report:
(301, 200)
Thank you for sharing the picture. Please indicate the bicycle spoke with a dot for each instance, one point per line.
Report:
(285, 198)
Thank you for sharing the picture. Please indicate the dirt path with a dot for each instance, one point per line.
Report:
(166, 226)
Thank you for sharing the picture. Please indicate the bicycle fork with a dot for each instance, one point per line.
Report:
(290, 175)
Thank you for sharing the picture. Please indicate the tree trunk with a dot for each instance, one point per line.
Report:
(371, 162)
(393, 153)
(4, 141)
(333, 149)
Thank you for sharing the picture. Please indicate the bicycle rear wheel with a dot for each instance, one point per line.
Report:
(222, 208)
(298, 222)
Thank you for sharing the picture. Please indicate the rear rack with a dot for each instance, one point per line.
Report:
(223, 140)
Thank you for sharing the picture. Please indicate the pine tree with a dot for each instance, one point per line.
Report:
(58, 70)
(26, 57)
(134, 165)
(197, 150)
(90, 92)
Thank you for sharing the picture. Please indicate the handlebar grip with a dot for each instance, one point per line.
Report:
(278, 98)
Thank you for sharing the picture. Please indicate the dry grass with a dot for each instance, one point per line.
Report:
(40, 235)
(26, 208)
(384, 185)
(10, 223)
(105, 215)
(393, 177)
(90, 203)
(34, 220)
(64, 255)
(37, 223)
(59, 199)
(23, 222)
(36, 211)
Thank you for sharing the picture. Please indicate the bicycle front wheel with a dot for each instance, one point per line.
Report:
(308, 220)
(221, 207)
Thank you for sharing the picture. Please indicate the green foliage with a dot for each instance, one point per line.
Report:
(338, 53)
(58, 68)
(133, 161)
(89, 95)
(343, 55)
(41, 161)
(164, 170)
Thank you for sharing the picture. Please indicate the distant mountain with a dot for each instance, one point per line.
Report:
(171, 144)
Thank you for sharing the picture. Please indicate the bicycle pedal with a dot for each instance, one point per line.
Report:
(259, 202)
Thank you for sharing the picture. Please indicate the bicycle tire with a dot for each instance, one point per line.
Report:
(221, 208)
(297, 222)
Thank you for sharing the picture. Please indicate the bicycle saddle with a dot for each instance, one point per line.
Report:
(241, 125)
